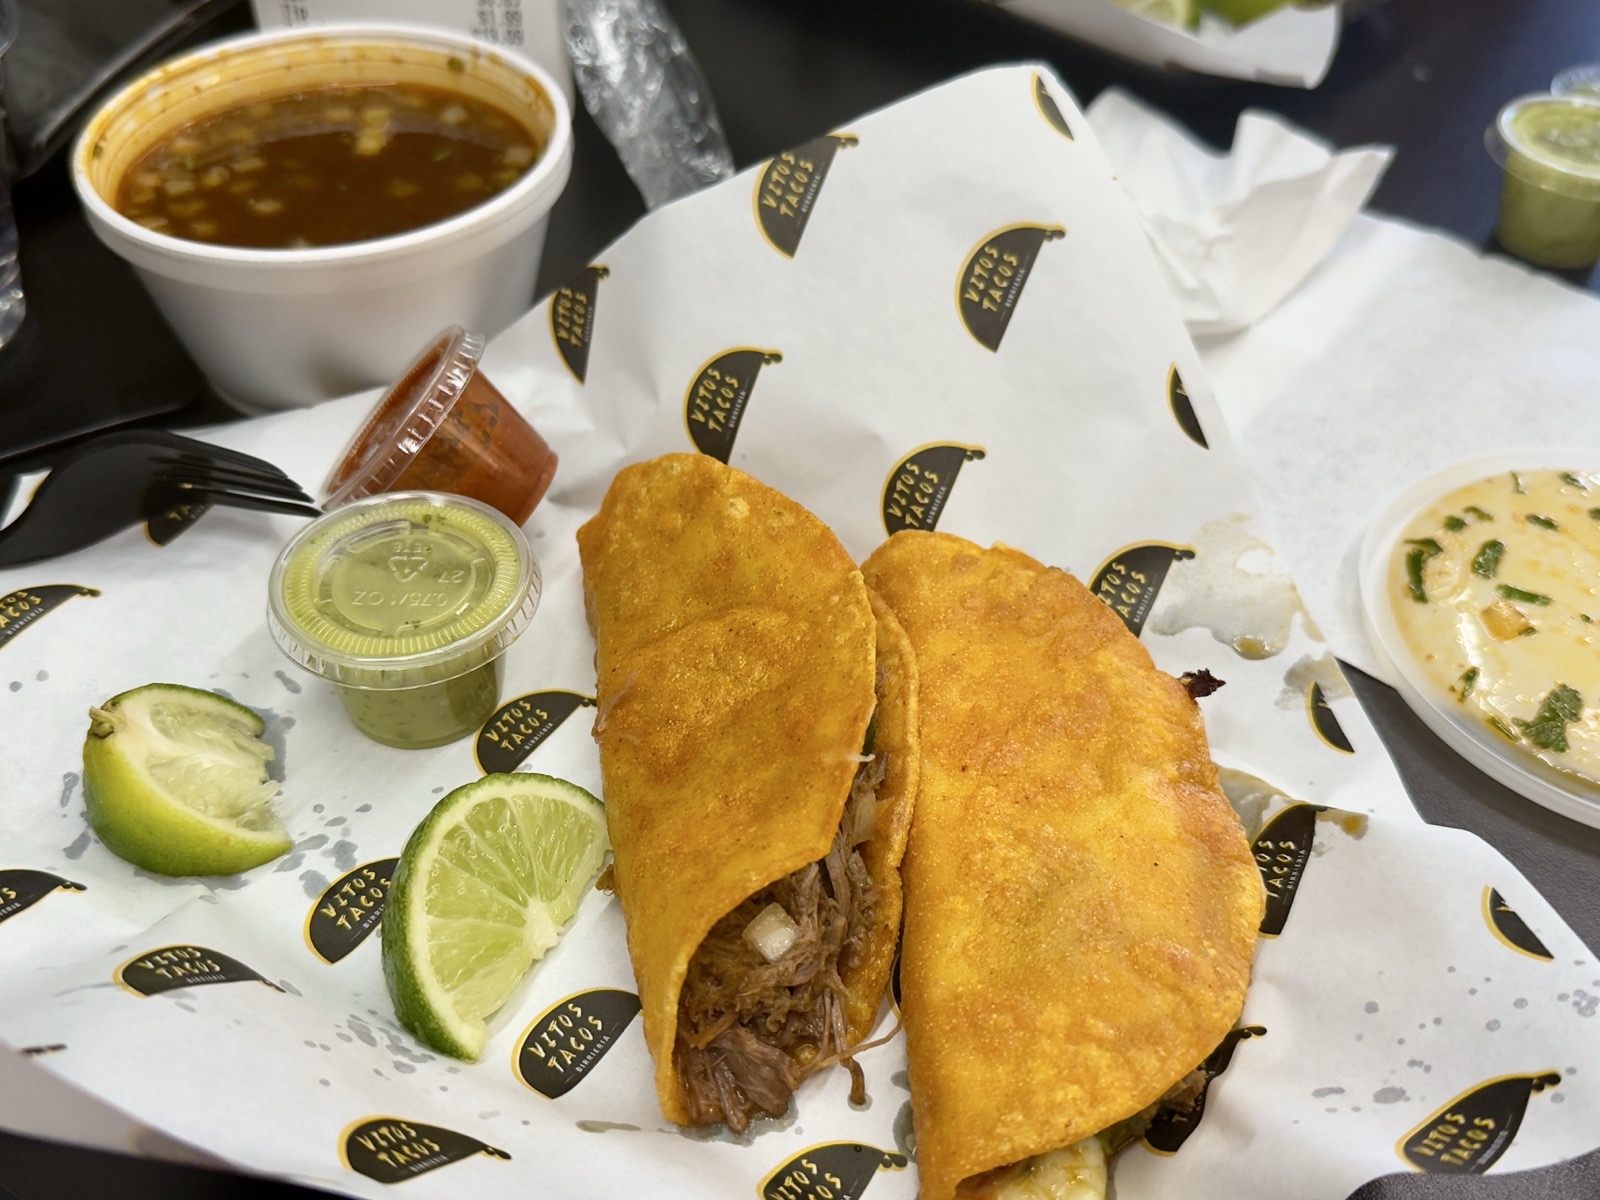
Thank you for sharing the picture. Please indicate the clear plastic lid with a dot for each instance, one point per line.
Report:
(1582, 80)
(405, 418)
(1550, 141)
(402, 590)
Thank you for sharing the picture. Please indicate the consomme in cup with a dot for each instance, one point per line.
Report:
(326, 165)
(308, 206)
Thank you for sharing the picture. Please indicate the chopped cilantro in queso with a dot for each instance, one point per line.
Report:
(1496, 590)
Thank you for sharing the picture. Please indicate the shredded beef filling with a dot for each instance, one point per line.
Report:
(749, 1030)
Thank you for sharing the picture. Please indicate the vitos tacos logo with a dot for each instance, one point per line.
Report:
(991, 281)
(21, 608)
(1282, 851)
(173, 967)
(565, 1042)
(1130, 579)
(716, 400)
(349, 910)
(1323, 723)
(21, 888)
(835, 1170)
(572, 319)
(1049, 109)
(787, 189)
(1468, 1135)
(392, 1150)
(916, 491)
(1183, 409)
(518, 727)
(1171, 1128)
(1510, 929)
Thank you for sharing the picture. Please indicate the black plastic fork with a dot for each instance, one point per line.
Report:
(163, 479)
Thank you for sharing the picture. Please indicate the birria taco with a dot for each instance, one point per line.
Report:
(1081, 904)
(757, 728)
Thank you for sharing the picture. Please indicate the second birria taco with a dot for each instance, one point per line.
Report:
(757, 731)
(1081, 903)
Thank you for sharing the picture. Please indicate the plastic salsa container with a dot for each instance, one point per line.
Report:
(406, 602)
(1549, 147)
(443, 427)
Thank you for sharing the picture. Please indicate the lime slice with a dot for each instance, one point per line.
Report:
(176, 782)
(1242, 12)
(482, 890)
(1183, 13)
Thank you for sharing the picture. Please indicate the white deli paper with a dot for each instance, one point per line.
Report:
(1292, 47)
(1234, 233)
(943, 314)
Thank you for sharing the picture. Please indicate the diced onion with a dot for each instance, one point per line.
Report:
(772, 932)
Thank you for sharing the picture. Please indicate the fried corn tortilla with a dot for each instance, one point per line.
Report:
(1081, 904)
(741, 672)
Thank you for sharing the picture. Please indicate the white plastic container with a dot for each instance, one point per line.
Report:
(275, 329)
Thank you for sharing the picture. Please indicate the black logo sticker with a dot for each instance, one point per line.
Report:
(21, 608)
(1282, 851)
(1183, 409)
(1324, 723)
(1171, 1128)
(1049, 109)
(572, 319)
(991, 280)
(787, 190)
(173, 967)
(1510, 929)
(1130, 579)
(918, 488)
(566, 1041)
(392, 1150)
(349, 910)
(1468, 1135)
(839, 1170)
(716, 400)
(22, 888)
(518, 727)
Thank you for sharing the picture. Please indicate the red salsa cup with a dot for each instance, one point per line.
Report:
(445, 428)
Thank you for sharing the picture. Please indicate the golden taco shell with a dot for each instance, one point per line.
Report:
(1081, 904)
(738, 664)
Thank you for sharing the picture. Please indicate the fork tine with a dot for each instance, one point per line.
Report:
(284, 489)
(223, 473)
(208, 450)
(259, 503)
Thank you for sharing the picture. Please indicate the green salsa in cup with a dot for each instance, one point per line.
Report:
(1549, 147)
(406, 602)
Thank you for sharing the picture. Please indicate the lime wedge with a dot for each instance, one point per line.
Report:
(482, 890)
(176, 782)
(1183, 13)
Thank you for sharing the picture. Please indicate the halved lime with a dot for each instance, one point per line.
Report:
(176, 782)
(483, 888)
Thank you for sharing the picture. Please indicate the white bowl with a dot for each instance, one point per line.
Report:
(275, 329)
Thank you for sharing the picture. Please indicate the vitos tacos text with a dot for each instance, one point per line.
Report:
(1081, 904)
(757, 731)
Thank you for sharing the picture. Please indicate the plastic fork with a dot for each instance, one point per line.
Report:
(163, 479)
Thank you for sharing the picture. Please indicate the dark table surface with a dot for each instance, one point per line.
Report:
(1423, 75)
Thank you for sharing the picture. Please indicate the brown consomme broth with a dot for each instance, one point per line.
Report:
(327, 165)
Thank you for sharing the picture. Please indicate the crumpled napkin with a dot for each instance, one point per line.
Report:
(1234, 233)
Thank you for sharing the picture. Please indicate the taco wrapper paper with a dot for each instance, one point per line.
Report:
(1415, 987)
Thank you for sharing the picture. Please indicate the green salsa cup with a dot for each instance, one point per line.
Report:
(1549, 147)
(406, 602)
